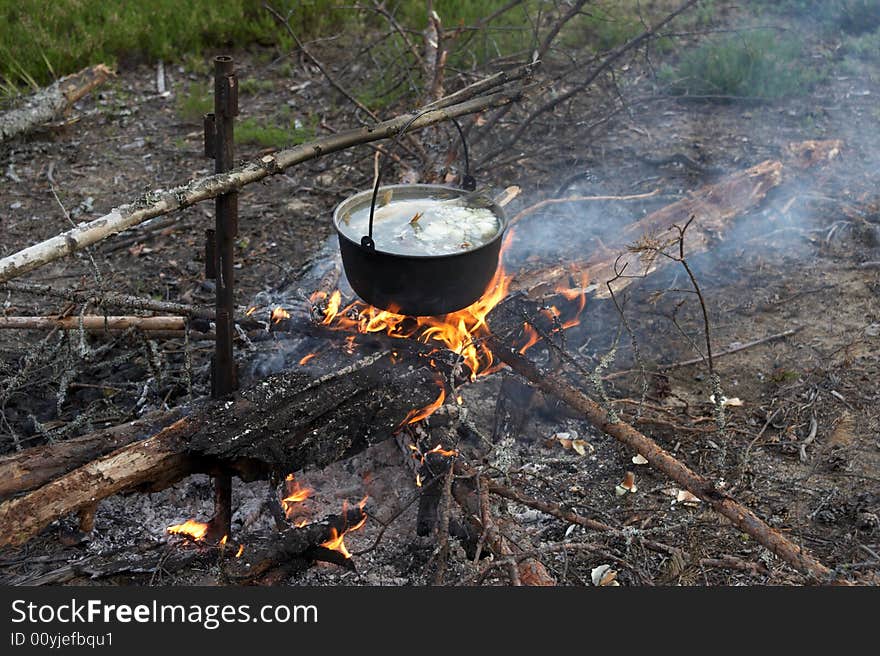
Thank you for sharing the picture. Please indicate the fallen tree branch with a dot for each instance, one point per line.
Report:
(572, 517)
(577, 199)
(721, 501)
(29, 469)
(47, 103)
(720, 354)
(161, 457)
(111, 299)
(93, 323)
(714, 205)
(161, 202)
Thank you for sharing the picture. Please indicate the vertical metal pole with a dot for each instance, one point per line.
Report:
(226, 228)
(219, 253)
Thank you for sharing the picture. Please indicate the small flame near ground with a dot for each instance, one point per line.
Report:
(305, 359)
(418, 455)
(296, 493)
(337, 538)
(423, 413)
(279, 314)
(190, 528)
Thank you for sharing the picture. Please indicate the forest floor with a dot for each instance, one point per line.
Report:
(806, 259)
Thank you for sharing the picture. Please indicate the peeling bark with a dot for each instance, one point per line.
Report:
(47, 103)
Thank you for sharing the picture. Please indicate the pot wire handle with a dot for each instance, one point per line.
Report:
(468, 182)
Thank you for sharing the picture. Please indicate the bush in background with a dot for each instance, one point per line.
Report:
(763, 64)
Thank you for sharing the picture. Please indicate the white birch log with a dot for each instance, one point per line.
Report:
(160, 202)
(44, 105)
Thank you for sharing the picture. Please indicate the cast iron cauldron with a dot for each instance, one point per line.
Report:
(418, 285)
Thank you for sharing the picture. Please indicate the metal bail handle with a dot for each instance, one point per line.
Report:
(468, 182)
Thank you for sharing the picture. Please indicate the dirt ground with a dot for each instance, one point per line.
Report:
(802, 260)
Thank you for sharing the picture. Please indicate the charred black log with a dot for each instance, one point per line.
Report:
(511, 408)
(296, 548)
(280, 425)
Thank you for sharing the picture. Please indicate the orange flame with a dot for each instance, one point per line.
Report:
(296, 493)
(240, 551)
(279, 314)
(533, 338)
(190, 528)
(337, 542)
(443, 452)
(464, 332)
(337, 539)
(578, 294)
(306, 358)
(417, 415)
(250, 310)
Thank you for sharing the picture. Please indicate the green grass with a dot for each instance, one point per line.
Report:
(280, 131)
(251, 86)
(197, 101)
(762, 64)
(40, 40)
(864, 46)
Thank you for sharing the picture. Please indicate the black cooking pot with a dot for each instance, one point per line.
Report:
(418, 285)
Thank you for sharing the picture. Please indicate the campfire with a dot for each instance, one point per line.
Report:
(336, 395)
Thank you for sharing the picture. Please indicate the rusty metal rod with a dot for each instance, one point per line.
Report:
(219, 252)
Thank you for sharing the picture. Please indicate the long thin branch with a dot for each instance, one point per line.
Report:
(112, 299)
(720, 354)
(93, 323)
(285, 22)
(609, 61)
(663, 461)
(577, 199)
(161, 202)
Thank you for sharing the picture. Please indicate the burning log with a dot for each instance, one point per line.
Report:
(47, 103)
(298, 547)
(715, 206)
(280, 425)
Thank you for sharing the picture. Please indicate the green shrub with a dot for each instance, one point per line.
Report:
(865, 46)
(197, 101)
(754, 64)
